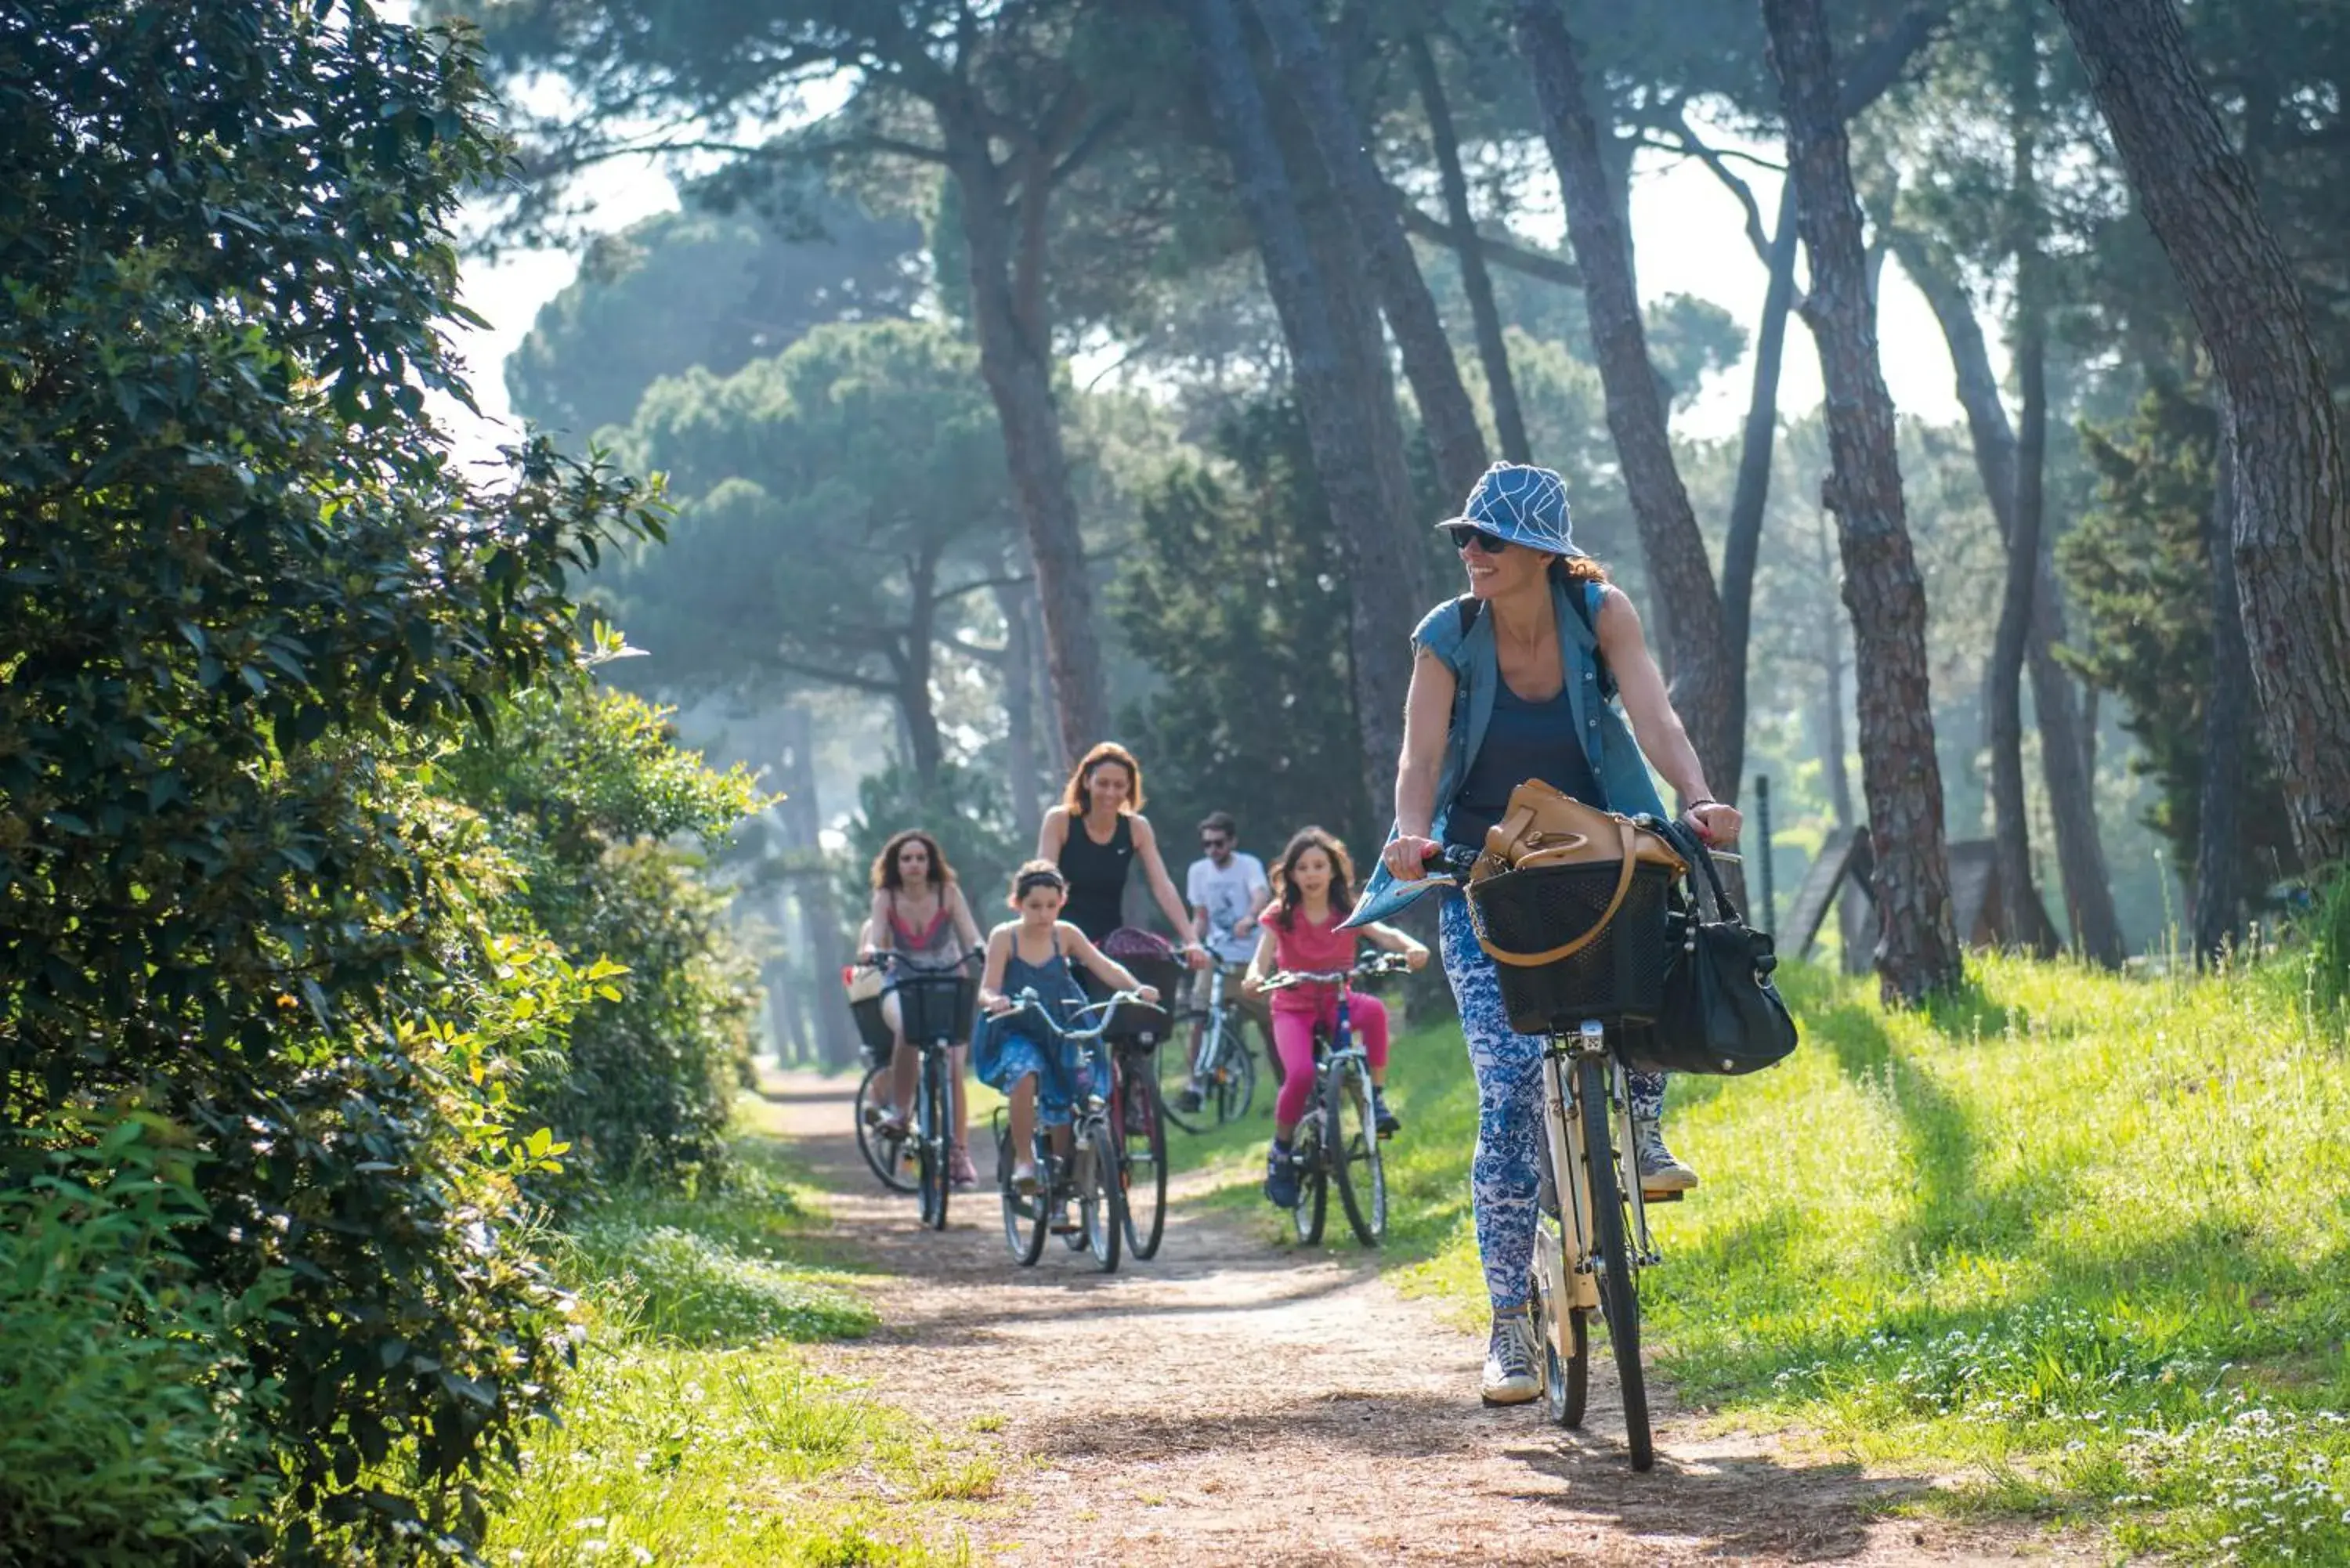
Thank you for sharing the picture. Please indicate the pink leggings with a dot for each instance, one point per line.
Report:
(1293, 1037)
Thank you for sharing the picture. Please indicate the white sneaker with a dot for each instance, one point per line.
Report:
(1661, 1170)
(1509, 1360)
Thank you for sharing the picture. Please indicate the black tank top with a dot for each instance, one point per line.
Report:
(1096, 874)
(1523, 741)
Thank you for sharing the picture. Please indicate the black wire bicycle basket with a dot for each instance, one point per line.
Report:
(1617, 977)
(936, 1006)
(1152, 961)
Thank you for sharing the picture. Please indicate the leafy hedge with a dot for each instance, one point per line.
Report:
(250, 600)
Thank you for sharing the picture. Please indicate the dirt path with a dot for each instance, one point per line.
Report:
(1235, 1402)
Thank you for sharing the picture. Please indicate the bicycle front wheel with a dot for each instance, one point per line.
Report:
(1024, 1218)
(1235, 1082)
(887, 1157)
(1619, 1288)
(1101, 1211)
(1142, 1161)
(1353, 1142)
(1312, 1204)
(930, 1125)
(1175, 1067)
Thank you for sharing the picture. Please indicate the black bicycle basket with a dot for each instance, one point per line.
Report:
(936, 1006)
(1138, 1022)
(1617, 977)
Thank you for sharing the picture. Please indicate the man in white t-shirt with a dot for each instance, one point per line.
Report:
(1227, 890)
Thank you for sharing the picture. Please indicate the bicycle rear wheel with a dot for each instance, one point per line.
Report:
(1173, 1071)
(1619, 1288)
(1142, 1161)
(1312, 1204)
(930, 1124)
(1356, 1169)
(1023, 1218)
(1100, 1208)
(887, 1157)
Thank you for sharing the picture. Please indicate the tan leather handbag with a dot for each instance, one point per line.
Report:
(1545, 828)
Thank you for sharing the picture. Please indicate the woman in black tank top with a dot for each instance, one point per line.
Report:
(1095, 835)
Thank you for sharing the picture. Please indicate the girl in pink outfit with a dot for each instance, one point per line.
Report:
(1313, 891)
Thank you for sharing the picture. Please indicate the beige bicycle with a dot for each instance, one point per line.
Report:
(1592, 1239)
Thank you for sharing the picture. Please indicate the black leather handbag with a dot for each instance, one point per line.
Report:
(1720, 1013)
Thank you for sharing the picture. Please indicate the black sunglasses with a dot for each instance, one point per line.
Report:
(1214, 842)
(1464, 535)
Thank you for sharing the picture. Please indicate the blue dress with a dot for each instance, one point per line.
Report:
(1013, 1047)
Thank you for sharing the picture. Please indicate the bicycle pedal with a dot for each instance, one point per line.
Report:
(1673, 1196)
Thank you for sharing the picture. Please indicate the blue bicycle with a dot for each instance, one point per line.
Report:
(1088, 1174)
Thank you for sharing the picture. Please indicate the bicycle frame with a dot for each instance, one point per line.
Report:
(1575, 1276)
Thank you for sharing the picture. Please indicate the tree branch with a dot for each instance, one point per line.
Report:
(1089, 142)
(1497, 252)
(848, 677)
(982, 585)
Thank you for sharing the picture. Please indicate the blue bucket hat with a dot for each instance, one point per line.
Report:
(1523, 504)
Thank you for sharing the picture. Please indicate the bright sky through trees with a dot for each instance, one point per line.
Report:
(1686, 235)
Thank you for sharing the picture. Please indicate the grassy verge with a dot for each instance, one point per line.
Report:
(693, 1430)
(2082, 1240)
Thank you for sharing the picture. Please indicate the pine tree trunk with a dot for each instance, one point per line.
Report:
(1918, 945)
(2227, 741)
(2292, 529)
(1696, 648)
(1476, 281)
(1311, 74)
(1019, 678)
(1832, 740)
(2027, 917)
(827, 938)
(1015, 358)
(1872, 74)
(1339, 423)
(1743, 543)
(2068, 744)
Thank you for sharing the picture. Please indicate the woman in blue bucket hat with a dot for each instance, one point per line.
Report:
(1539, 672)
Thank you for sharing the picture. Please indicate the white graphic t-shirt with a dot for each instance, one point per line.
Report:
(1226, 892)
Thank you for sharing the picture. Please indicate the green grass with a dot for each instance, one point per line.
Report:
(2081, 1242)
(693, 1431)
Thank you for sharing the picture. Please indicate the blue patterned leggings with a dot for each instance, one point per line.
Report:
(1505, 1178)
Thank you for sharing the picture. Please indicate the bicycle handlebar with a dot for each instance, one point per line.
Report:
(1378, 964)
(890, 958)
(1030, 1002)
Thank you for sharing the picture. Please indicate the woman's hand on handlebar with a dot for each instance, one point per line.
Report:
(1714, 822)
(995, 1004)
(1148, 994)
(1414, 958)
(1406, 856)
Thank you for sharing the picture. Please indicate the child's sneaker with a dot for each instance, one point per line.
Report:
(1387, 1123)
(1281, 1177)
(1190, 1099)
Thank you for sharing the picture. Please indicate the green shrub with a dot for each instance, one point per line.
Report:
(125, 1408)
(247, 593)
(2328, 928)
(587, 789)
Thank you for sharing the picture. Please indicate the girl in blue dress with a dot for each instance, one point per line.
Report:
(1033, 1069)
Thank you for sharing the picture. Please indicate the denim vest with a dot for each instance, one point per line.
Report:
(1476, 669)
